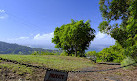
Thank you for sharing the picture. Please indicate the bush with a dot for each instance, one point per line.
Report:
(42, 53)
(128, 61)
(107, 55)
(114, 53)
(92, 55)
(64, 53)
(35, 53)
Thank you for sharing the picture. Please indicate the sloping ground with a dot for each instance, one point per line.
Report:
(50, 61)
(38, 74)
(9, 75)
(15, 72)
(114, 75)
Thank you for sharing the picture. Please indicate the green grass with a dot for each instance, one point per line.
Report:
(51, 61)
(48, 61)
(16, 68)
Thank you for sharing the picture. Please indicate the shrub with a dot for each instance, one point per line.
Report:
(35, 53)
(128, 61)
(64, 53)
(42, 53)
(90, 53)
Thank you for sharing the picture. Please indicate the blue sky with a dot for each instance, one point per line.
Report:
(32, 22)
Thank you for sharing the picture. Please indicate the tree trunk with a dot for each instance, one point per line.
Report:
(76, 52)
(68, 52)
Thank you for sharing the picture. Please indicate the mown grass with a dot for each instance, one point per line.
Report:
(51, 61)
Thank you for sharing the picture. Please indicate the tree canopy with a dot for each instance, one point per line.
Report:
(124, 33)
(74, 38)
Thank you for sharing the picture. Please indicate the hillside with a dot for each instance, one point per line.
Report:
(97, 47)
(17, 71)
(7, 48)
(10, 71)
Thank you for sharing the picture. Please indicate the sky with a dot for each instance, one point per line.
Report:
(32, 22)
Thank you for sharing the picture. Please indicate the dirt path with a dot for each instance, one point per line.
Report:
(114, 75)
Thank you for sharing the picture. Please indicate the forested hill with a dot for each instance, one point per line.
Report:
(7, 48)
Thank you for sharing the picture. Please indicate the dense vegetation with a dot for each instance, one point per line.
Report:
(6, 48)
(125, 33)
(114, 53)
(74, 38)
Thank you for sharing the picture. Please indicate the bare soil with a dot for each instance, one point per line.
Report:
(113, 75)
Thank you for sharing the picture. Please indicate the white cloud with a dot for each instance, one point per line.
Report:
(22, 38)
(48, 36)
(19, 39)
(103, 39)
(37, 39)
(37, 36)
(3, 14)
(45, 40)
(2, 11)
(100, 35)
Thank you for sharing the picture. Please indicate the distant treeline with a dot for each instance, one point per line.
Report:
(6, 48)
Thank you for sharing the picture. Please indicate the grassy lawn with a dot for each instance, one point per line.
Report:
(51, 61)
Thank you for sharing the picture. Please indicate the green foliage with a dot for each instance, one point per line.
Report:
(131, 52)
(43, 53)
(91, 53)
(35, 53)
(127, 61)
(64, 53)
(104, 27)
(125, 33)
(133, 9)
(114, 53)
(106, 55)
(119, 35)
(74, 38)
(115, 9)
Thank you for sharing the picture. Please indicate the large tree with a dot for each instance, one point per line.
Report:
(124, 33)
(74, 38)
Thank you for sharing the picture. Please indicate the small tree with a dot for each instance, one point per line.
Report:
(74, 37)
